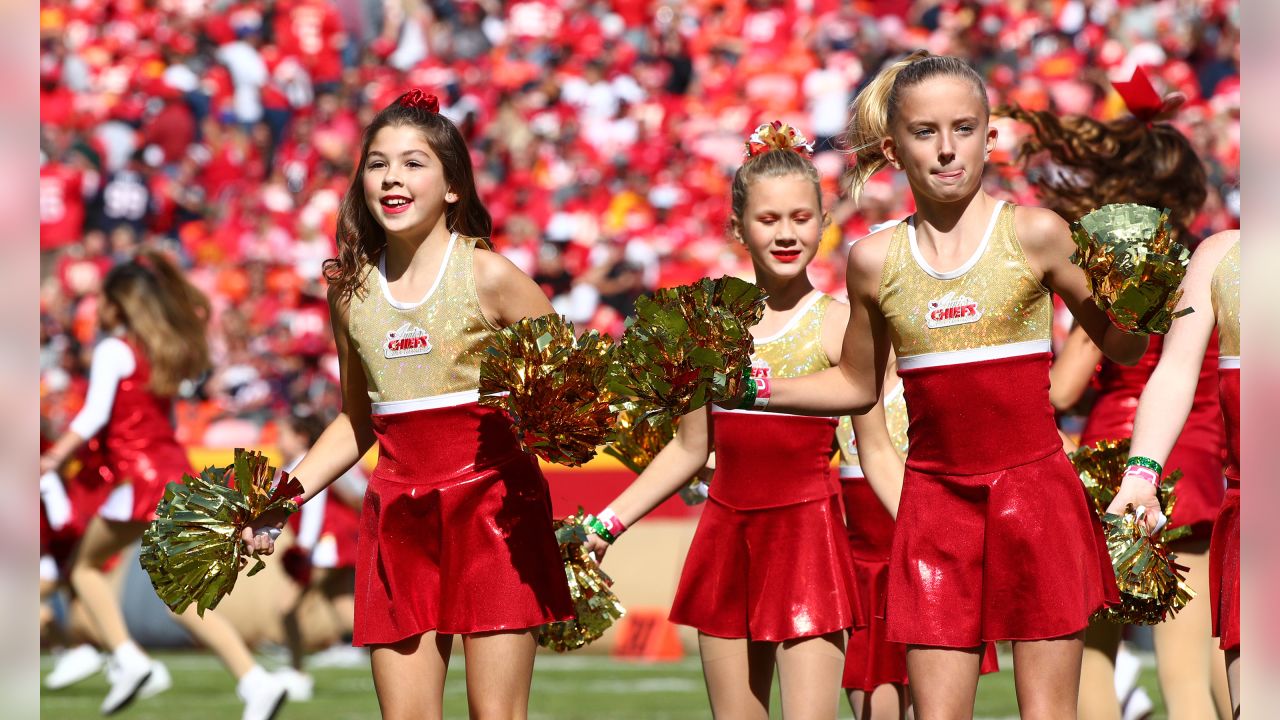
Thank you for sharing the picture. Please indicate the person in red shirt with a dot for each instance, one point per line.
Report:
(62, 206)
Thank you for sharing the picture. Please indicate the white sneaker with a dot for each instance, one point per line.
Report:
(263, 694)
(298, 684)
(1128, 668)
(78, 663)
(1138, 706)
(339, 656)
(127, 672)
(157, 683)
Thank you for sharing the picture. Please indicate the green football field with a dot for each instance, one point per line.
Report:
(564, 688)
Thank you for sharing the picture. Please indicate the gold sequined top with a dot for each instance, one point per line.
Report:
(796, 349)
(431, 347)
(993, 302)
(1225, 289)
(895, 417)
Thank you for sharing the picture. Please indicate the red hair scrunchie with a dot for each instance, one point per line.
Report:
(415, 98)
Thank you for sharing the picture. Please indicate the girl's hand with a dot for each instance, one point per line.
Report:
(259, 537)
(1138, 492)
(596, 546)
(48, 463)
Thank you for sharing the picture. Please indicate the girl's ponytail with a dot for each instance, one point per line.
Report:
(869, 123)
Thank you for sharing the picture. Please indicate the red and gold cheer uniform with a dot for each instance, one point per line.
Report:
(1224, 546)
(455, 531)
(995, 539)
(769, 560)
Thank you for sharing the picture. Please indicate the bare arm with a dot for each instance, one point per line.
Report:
(1072, 369)
(671, 468)
(880, 461)
(507, 295)
(853, 386)
(1046, 240)
(1166, 400)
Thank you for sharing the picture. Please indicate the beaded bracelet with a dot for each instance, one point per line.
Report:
(1148, 463)
(749, 390)
(594, 524)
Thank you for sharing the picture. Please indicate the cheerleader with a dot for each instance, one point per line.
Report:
(768, 581)
(155, 325)
(455, 531)
(1212, 288)
(995, 539)
(1138, 159)
(871, 469)
(322, 559)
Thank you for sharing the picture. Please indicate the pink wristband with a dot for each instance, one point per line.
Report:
(763, 393)
(297, 500)
(1145, 473)
(611, 522)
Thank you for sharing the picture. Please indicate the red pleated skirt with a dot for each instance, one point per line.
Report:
(455, 532)
(870, 659)
(772, 574)
(1224, 571)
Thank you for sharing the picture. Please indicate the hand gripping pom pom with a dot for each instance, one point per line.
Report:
(595, 604)
(777, 135)
(688, 346)
(553, 386)
(1152, 586)
(1133, 265)
(193, 550)
(1101, 468)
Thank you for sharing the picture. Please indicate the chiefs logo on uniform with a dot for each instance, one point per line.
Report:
(406, 340)
(760, 369)
(952, 309)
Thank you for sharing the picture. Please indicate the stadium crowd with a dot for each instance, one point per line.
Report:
(604, 134)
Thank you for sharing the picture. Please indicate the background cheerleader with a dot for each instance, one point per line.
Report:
(155, 326)
(1141, 159)
(768, 581)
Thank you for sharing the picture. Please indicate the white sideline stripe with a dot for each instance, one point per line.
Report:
(852, 471)
(1229, 362)
(432, 402)
(973, 355)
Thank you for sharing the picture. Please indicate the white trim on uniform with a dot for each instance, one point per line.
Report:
(814, 296)
(432, 402)
(852, 471)
(968, 264)
(1228, 362)
(386, 291)
(48, 569)
(719, 409)
(973, 355)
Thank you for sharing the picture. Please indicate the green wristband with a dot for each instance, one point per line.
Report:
(593, 523)
(748, 393)
(1147, 463)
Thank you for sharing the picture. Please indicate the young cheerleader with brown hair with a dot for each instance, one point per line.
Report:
(995, 539)
(1141, 159)
(455, 535)
(768, 581)
(1212, 288)
(155, 322)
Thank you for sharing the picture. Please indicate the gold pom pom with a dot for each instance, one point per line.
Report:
(1133, 265)
(553, 386)
(635, 442)
(595, 604)
(688, 346)
(192, 550)
(1101, 467)
(1152, 586)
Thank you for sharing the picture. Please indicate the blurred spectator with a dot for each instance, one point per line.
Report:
(604, 136)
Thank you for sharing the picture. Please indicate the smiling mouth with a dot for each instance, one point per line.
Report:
(786, 256)
(395, 205)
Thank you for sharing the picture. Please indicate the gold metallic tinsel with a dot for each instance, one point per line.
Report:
(553, 386)
(636, 442)
(688, 346)
(1152, 586)
(595, 605)
(192, 550)
(1101, 467)
(1133, 264)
